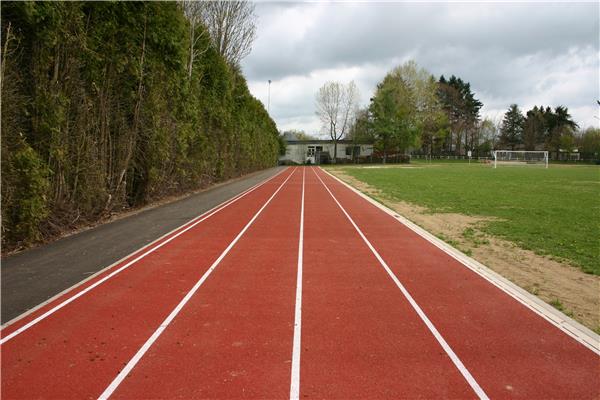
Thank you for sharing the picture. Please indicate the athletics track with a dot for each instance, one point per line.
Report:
(296, 288)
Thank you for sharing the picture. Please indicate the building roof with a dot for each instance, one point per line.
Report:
(321, 141)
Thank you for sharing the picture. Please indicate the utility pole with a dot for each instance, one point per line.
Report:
(269, 98)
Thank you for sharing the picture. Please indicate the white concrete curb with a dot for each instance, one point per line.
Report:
(583, 335)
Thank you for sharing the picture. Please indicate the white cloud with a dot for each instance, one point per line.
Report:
(529, 54)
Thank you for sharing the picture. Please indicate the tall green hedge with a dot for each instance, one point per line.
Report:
(99, 114)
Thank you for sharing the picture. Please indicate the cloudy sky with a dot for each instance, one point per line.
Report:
(524, 53)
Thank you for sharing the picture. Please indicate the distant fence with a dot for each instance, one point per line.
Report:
(490, 158)
(449, 157)
(402, 159)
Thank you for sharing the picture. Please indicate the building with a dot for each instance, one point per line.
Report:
(317, 151)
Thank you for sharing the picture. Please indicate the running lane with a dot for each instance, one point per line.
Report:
(360, 337)
(78, 350)
(511, 351)
(233, 339)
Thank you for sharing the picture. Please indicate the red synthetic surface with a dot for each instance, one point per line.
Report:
(76, 352)
(510, 351)
(233, 339)
(360, 337)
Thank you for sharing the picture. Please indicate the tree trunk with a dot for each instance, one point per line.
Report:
(131, 143)
(333, 135)
(192, 39)
(335, 151)
(4, 54)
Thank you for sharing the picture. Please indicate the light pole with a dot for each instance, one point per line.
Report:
(269, 98)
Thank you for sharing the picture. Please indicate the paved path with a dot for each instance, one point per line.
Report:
(297, 288)
(33, 276)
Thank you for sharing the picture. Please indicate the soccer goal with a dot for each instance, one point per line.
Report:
(520, 157)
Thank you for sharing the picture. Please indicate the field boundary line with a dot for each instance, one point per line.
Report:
(296, 348)
(568, 325)
(436, 334)
(182, 229)
(161, 328)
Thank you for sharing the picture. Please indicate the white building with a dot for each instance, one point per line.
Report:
(322, 151)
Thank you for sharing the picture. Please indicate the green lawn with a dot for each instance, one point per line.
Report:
(554, 211)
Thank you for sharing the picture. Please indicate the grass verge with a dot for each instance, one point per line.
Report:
(552, 211)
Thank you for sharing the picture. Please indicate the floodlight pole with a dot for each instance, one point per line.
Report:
(269, 98)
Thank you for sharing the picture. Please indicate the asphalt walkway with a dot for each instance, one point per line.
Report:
(34, 276)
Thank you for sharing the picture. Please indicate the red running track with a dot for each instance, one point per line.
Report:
(216, 311)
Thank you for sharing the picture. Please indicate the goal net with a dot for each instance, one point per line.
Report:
(520, 157)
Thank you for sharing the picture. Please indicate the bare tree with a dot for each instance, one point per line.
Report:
(232, 27)
(8, 36)
(193, 12)
(336, 106)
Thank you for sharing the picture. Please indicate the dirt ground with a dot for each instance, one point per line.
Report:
(564, 286)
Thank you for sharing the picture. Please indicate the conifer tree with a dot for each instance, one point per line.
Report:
(511, 131)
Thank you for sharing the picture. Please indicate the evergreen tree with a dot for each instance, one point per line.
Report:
(511, 131)
(561, 128)
(534, 128)
(462, 110)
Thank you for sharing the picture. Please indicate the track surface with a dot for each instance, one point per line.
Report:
(33, 276)
(215, 310)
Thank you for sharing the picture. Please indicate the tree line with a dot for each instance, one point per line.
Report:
(111, 105)
(544, 128)
(413, 112)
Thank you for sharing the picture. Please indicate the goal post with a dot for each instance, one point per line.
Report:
(520, 157)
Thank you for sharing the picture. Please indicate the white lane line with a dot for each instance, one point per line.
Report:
(193, 222)
(295, 383)
(567, 325)
(137, 357)
(103, 270)
(457, 362)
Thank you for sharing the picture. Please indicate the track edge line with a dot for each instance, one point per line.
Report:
(126, 370)
(132, 254)
(462, 369)
(567, 325)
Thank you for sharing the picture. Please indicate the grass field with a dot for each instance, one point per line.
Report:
(554, 211)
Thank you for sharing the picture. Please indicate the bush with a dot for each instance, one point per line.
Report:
(28, 200)
(88, 129)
